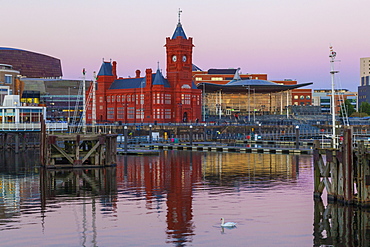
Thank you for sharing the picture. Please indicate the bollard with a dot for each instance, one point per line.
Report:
(297, 137)
(125, 133)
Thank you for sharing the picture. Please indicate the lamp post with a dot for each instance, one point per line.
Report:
(259, 129)
(69, 104)
(191, 135)
(150, 133)
(254, 105)
(141, 103)
(204, 101)
(297, 136)
(205, 132)
(125, 134)
(249, 104)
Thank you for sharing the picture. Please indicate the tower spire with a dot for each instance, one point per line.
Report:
(179, 31)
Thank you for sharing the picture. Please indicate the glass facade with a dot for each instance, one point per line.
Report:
(246, 103)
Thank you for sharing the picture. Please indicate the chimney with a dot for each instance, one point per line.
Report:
(114, 70)
(138, 73)
(148, 74)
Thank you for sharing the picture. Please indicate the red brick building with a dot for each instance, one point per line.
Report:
(151, 98)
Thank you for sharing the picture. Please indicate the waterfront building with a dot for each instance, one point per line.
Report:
(322, 98)
(9, 78)
(151, 98)
(62, 98)
(4, 90)
(364, 88)
(15, 117)
(31, 64)
(247, 97)
(299, 96)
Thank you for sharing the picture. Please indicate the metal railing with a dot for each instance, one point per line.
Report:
(33, 126)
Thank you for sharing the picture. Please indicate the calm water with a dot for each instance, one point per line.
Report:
(174, 199)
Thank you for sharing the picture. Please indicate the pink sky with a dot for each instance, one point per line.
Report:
(287, 39)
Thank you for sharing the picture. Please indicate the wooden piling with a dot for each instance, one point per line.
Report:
(72, 151)
(346, 173)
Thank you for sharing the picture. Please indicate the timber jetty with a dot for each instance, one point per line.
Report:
(344, 173)
(77, 151)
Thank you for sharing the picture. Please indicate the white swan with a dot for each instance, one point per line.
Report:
(227, 224)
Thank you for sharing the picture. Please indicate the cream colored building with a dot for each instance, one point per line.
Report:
(8, 77)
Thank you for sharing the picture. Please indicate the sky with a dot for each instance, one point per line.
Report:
(286, 39)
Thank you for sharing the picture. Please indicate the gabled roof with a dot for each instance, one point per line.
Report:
(179, 31)
(159, 79)
(105, 69)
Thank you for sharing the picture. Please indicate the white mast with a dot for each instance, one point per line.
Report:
(83, 102)
(332, 72)
(93, 103)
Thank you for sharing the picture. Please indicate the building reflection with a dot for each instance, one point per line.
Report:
(234, 168)
(173, 174)
(18, 185)
(340, 225)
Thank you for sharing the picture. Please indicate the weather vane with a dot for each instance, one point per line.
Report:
(180, 11)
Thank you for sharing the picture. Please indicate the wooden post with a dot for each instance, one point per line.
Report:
(43, 142)
(317, 159)
(363, 176)
(348, 166)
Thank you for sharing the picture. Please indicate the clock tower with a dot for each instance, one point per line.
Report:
(186, 97)
(179, 51)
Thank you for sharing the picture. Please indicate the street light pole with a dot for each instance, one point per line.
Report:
(205, 132)
(141, 103)
(125, 134)
(297, 136)
(150, 134)
(191, 135)
(69, 103)
(254, 105)
(249, 103)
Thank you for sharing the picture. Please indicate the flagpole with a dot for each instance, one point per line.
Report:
(94, 103)
(84, 102)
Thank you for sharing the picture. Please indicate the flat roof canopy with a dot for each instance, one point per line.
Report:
(258, 86)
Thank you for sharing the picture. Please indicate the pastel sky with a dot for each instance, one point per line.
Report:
(287, 39)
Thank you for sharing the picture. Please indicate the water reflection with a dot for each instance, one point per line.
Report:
(341, 225)
(176, 198)
(173, 174)
(97, 185)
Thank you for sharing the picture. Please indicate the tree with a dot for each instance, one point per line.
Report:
(349, 108)
(365, 107)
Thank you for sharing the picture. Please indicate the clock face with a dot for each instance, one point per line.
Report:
(184, 58)
(174, 58)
